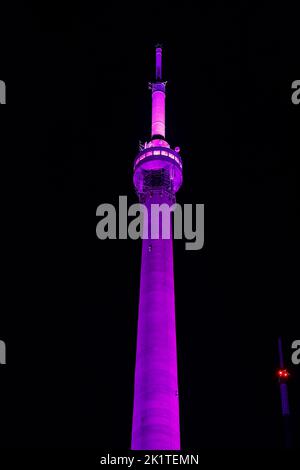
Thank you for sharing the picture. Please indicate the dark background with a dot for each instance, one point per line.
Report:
(77, 106)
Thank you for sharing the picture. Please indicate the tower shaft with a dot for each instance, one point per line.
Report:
(156, 407)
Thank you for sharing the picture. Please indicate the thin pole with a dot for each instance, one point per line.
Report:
(285, 409)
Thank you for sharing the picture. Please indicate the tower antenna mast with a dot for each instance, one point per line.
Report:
(283, 376)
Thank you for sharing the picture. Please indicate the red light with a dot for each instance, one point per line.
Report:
(283, 373)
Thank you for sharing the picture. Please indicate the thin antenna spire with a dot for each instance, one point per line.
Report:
(285, 409)
(158, 88)
(280, 353)
(158, 68)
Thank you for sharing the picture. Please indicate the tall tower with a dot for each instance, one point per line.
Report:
(157, 178)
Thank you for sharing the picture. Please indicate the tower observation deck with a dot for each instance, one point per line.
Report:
(157, 178)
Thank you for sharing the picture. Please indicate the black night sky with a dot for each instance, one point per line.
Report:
(78, 104)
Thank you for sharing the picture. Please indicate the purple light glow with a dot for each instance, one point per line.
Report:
(284, 400)
(156, 405)
(158, 63)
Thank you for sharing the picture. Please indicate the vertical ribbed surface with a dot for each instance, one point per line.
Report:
(156, 402)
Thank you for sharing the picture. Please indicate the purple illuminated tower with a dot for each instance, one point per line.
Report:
(157, 178)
